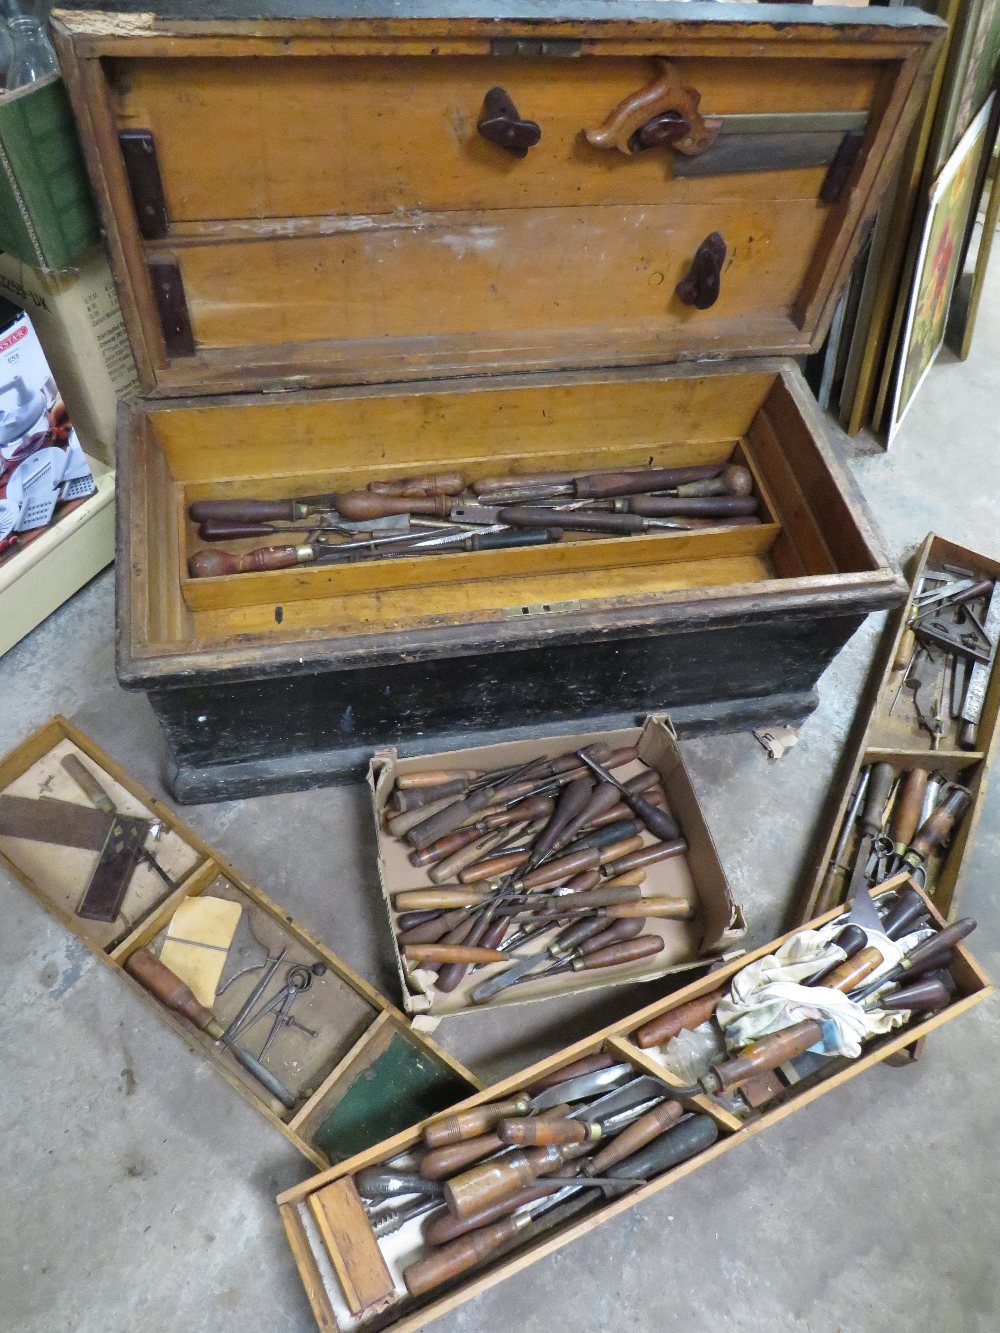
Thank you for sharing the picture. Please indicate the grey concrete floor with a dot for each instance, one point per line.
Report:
(138, 1188)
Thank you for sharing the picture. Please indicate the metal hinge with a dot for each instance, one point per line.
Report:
(551, 47)
(539, 609)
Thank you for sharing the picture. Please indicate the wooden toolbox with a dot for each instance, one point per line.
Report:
(364, 1073)
(353, 1279)
(888, 731)
(329, 276)
(696, 876)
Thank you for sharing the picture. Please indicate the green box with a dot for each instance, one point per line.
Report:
(47, 214)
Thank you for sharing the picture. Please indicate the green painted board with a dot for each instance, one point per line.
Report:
(47, 214)
(400, 1087)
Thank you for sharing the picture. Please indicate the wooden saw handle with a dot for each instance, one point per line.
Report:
(665, 93)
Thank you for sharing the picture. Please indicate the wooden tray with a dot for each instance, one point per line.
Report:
(402, 1314)
(365, 1073)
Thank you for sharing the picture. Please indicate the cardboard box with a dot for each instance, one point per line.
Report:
(697, 875)
(79, 324)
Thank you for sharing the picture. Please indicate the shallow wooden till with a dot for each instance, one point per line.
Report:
(404, 1314)
(896, 737)
(367, 1069)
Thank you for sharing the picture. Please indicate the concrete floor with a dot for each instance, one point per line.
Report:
(139, 1188)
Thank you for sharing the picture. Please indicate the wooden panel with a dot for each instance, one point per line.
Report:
(351, 1244)
(385, 135)
(610, 267)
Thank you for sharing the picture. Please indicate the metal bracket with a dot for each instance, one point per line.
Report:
(145, 182)
(539, 609)
(548, 47)
(168, 293)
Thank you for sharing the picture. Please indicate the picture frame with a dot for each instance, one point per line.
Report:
(969, 286)
(970, 77)
(949, 207)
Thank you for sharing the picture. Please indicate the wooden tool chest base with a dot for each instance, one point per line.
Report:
(364, 1072)
(321, 1263)
(722, 626)
(367, 296)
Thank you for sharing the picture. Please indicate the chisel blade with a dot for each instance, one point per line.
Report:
(575, 1089)
(772, 141)
(60, 822)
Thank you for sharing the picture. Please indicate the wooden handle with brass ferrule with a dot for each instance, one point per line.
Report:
(546, 1131)
(646, 856)
(440, 1163)
(684, 1018)
(219, 564)
(764, 1055)
(462, 1125)
(452, 953)
(418, 900)
(435, 483)
(634, 1136)
(852, 971)
(629, 951)
(450, 1260)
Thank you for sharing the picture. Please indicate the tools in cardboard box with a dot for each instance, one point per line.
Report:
(551, 854)
(441, 513)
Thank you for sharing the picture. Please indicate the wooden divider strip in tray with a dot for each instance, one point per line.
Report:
(403, 1314)
(364, 1072)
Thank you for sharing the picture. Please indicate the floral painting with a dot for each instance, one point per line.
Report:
(937, 268)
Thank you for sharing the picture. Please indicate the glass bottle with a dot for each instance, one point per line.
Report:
(6, 53)
(33, 56)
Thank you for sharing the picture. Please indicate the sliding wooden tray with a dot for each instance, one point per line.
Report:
(697, 876)
(369, 293)
(366, 1073)
(302, 1207)
(887, 730)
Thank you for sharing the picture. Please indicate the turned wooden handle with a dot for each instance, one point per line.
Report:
(493, 867)
(629, 951)
(852, 971)
(930, 994)
(445, 870)
(433, 777)
(565, 867)
(587, 1064)
(463, 1125)
(420, 900)
(440, 1163)
(634, 1137)
(906, 811)
(87, 783)
(443, 1227)
(735, 479)
(662, 908)
(602, 799)
(357, 505)
(445, 847)
(452, 953)
(609, 896)
(488, 1182)
(666, 93)
(430, 932)
(544, 1131)
(601, 484)
(402, 800)
(647, 856)
(170, 990)
(686, 1017)
(437, 483)
(938, 826)
(766, 1054)
(709, 506)
(242, 511)
(910, 908)
(217, 564)
(534, 808)
(450, 1260)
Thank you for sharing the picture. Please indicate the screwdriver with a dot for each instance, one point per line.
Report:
(659, 823)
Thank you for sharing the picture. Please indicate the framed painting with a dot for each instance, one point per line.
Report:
(976, 257)
(971, 74)
(951, 202)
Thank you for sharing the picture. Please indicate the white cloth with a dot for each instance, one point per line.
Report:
(768, 994)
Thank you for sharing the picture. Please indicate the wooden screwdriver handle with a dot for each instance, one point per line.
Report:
(219, 564)
(629, 951)
(646, 856)
(170, 990)
(454, 1258)
(544, 1131)
(685, 1017)
(440, 1163)
(634, 1137)
(452, 953)
(938, 825)
(765, 1055)
(906, 811)
(462, 1125)
(357, 505)
(242, 511)
(436, 483)
(852, 971)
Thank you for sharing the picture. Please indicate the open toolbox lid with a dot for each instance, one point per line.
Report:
(296, 200)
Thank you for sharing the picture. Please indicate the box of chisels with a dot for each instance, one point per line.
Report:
(538, 868)
(910, 790)
(414, 1227)
(323, 1056)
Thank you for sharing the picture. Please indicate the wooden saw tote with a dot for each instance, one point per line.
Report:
(665, 99)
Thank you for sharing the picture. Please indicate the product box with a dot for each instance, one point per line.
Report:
(79, 323)
(696, 876)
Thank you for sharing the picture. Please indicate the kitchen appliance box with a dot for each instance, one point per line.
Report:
(403, 1314)
(366, 1073)
(332, 290)
(717, 927)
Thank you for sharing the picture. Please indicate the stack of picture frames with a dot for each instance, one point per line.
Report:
(917, 283)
